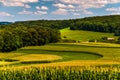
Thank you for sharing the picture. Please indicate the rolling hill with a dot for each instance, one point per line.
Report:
(81, 35)
(66, 61)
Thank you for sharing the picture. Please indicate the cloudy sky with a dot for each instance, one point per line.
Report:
(21, 10)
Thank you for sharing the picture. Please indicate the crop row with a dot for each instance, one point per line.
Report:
(62, 73)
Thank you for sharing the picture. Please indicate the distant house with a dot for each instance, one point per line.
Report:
(110, 39)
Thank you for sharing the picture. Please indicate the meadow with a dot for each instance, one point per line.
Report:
(81, 35)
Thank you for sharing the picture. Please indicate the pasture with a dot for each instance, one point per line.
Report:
(81, 35)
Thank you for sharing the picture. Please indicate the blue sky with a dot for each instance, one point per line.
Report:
(21, 10)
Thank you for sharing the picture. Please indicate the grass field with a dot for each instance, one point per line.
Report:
(81, 35)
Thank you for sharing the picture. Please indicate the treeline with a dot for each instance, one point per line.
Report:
(4, 23)
(109, 24)
(17, 37)
(56, 24)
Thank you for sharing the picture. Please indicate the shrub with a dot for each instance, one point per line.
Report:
(104, 38)
(68, 41)
(92, 40)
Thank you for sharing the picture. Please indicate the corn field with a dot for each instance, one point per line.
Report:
(62, 73)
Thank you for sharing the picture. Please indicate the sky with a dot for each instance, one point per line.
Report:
(22, 10)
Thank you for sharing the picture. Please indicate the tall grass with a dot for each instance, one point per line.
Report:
(62, 73)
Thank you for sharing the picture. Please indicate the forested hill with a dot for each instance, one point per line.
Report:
(56, 24)
(110, 24)
(3, 23)
(87, 23)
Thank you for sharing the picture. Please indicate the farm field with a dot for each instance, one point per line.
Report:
(81, 35)
(62, 73)
(62, 61)
(64, 53)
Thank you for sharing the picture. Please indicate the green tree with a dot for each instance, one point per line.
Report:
(9, 40)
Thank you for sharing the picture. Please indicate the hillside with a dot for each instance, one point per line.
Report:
(81, 35)
(85, 29)
(109, 24)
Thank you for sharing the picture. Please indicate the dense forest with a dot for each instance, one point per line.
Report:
(56, 24)
(17, 37)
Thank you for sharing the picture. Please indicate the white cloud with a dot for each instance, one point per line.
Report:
(64, 9)
(5, 14)
(115, 13)
(42, 8)
(25, 12)
(27, 6)
(16, 2)
(35, 13)
(40, 12)
(113, 1)
(114, 10)
(38, 7)
(83, 6)
(90, 1)
(86, 4)
(47, 0)
(71, 6)
(87, 12)
(76, 14)
(60, 11)
(60, 5)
